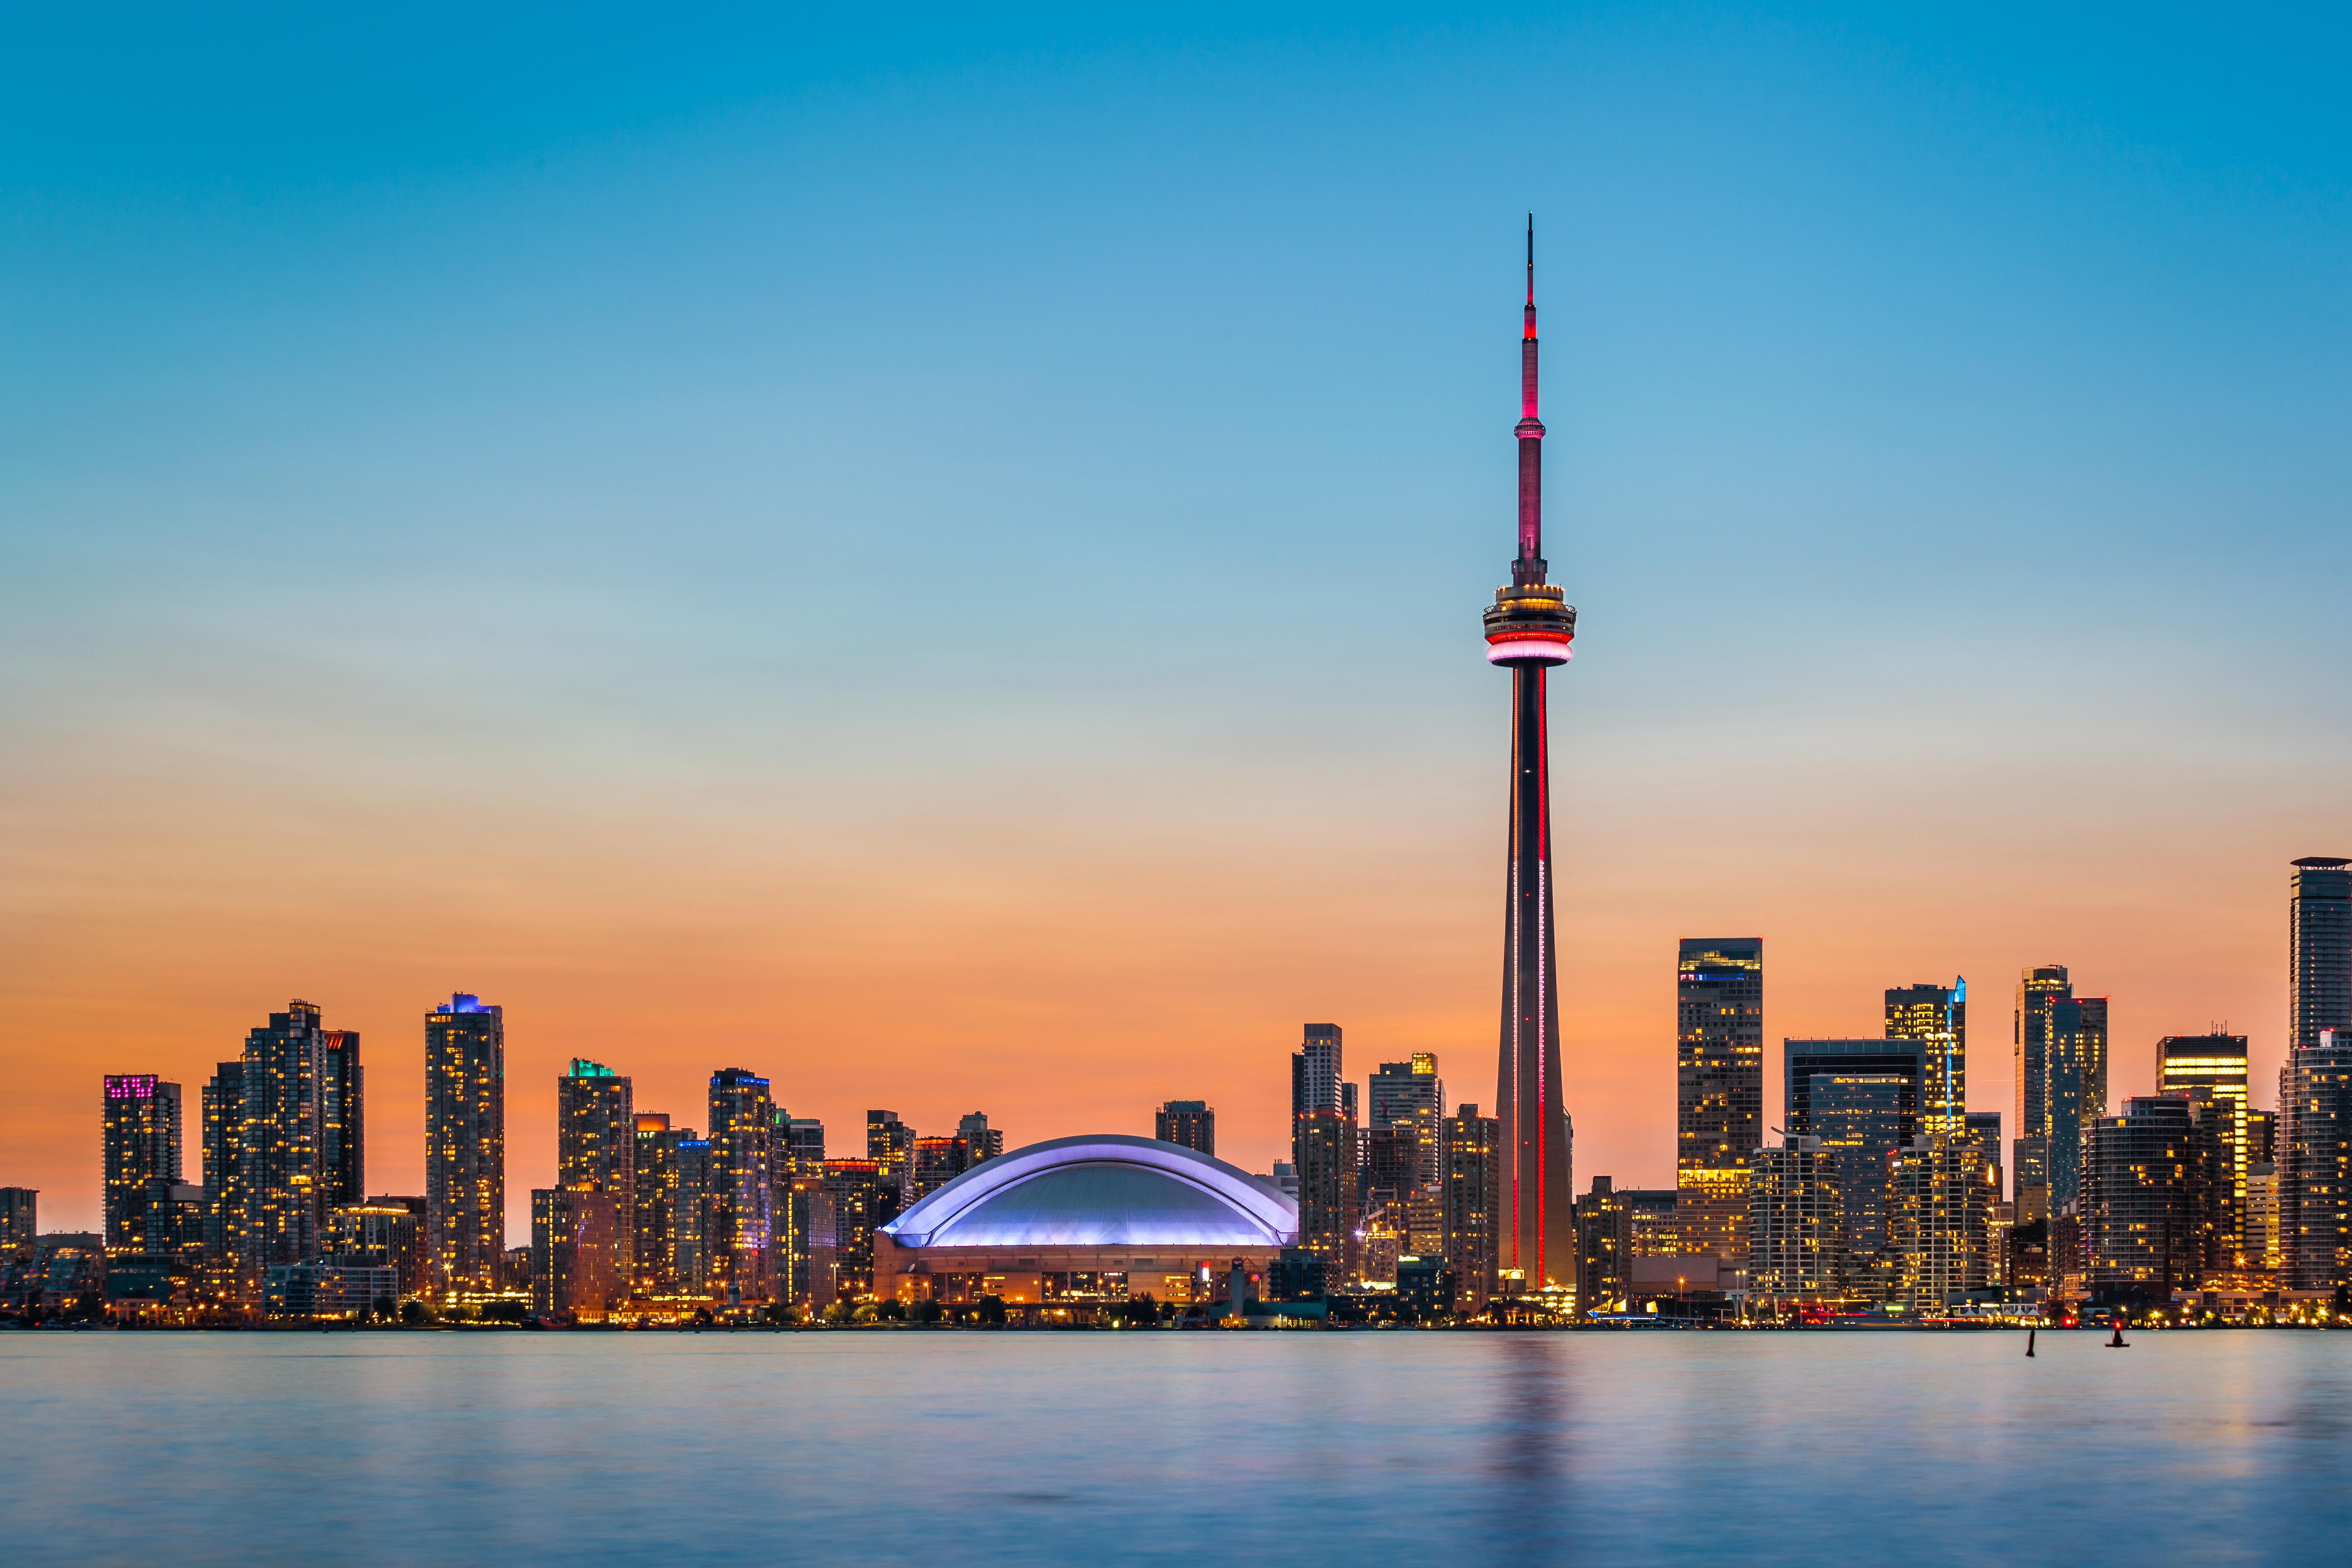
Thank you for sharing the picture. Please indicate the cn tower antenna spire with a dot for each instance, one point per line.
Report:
(1530, 566)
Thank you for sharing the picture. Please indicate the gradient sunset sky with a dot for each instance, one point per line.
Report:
(938, 558)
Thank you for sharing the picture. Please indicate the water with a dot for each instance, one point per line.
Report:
(1283, 1447)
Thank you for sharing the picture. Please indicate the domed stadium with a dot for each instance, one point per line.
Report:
(1083, 1220)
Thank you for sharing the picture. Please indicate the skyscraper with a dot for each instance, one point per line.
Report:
(2315, 1164)
(934, 1163)
(890, 1144)
(1471, 1199)
(575, 1256)
(597, 1148)
(1316, 1070)
(342, 1119)
(20, 1220)
(2217, 1062)
(1719, 1089)
(1796, 1238)
(2150, 1180)
(2319, 941)
(1935, 1219)
(1323, 1147)
(466, 1143)
(1860, 1119)
(1400, 1089)
(1528, 629)
(981, 1140)
(284, 1179)
(141, 1120)
(2060, 1045)
(1936, 1016)
(1190, 1122)
(224, 1166)
(743, 1187)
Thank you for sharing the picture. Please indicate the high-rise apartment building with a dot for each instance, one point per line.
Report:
(2061, 1056)
(1983, 1128)
(1471, 1198)
(1937, 1017)
(842, 1230)
(2152, 1180)
(805, 1146)
(20, 1221)
(2319, 950)
(466, 1143)
(284, 1180)
(342, 1119)
(694, 1225)
(890, 1144)
(981, 1140)
(2315, 1164)
(742, 1187)
(383, 1232)
(2217, 1062)
(1189, 1123)
(142, 1132)
(1859, 1119)
(1398, 1089)
(596, 1147)
(1317, 1072)
(1323, 1147)
(1936, 1220)
(575, 1256)
(223, 1169)
(1796, 1224)
(1719, 1089)
(1604, 1242)
(653, 1214)
(934, 1163)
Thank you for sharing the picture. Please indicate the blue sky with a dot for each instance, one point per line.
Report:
(685, 469)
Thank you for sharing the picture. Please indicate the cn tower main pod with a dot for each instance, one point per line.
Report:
(1528, 629)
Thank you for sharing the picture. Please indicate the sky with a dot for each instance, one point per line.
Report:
(937, 557)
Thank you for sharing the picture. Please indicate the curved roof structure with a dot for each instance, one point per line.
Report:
(1109, 1190)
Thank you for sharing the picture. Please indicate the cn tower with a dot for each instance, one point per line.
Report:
(1528, 628)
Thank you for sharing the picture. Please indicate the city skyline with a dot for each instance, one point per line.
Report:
(443, 552)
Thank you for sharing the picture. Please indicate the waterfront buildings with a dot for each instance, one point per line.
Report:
(466, 1143)
(1718, 1089)
(141, 1148)
(1189, 1123)
(224, 1165)
(1937, 1016)
(742, 1261)
(850, 1205)
(597, 1147)
(1476, 1161)
(1796, 1227)
(330, 1288)
(1528, 629)
(575, 1253)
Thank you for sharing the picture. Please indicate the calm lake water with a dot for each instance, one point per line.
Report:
(1617, 1448)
